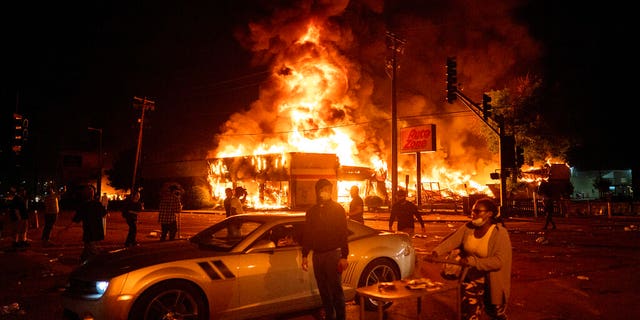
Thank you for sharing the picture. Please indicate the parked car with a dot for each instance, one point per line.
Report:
(243, 267)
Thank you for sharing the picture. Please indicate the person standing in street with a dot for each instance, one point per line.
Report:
(104, 200)
(228, 192)
(90, 213)
(356, 206)
(232, 203)
(326, 234)
(546, 191)
(170, 206)
(404, 212)
(51, 210)
(485, 249)
(132, 207)
(20, 216)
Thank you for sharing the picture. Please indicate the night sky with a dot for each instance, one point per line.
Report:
(72, 65)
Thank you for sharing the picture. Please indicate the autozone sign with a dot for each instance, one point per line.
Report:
(418, 139)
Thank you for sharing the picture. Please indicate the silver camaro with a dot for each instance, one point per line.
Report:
(243, 267)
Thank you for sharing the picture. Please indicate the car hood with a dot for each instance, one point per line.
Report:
(117, 262)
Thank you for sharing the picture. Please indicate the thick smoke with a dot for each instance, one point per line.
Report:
(490, 47)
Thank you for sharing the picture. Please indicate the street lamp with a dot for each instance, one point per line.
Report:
(100, 164)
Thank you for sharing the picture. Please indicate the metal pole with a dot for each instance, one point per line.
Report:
(144, 104)
(135, 165)
(394, 129)
(418, 180)
(397, 45)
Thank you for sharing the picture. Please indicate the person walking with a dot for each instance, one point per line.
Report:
(170, 206)
(546, 191)
(485, 249)
(404, 212)
(356, 206)
(51, 210)
(90, 213)
(132, 207)
(326, 234)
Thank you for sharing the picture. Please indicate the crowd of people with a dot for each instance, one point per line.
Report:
(483, 242)
(90, 211)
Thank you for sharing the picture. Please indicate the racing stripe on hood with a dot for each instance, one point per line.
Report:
(218, 272)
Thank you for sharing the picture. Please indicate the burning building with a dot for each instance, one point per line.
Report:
(323, 101)
(287, 180)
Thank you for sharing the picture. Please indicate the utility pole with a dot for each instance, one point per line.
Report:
(144, 104)
(396, 45)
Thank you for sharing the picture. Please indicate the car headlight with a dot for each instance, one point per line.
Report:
(87, 289)
(101, 287)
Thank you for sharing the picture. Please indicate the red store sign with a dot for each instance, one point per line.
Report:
(418, 139)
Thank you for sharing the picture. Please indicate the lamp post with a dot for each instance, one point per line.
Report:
(100, 164)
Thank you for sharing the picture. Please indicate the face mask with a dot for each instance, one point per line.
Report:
(479, 222)
(325, 195)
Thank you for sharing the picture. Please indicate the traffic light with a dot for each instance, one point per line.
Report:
(486, 106)
(452, 79)
(519, 157)
(20, 133)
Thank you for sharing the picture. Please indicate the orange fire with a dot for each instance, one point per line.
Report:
(312, 104)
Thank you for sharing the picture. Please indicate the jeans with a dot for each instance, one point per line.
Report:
(168, 228)
(329, 281)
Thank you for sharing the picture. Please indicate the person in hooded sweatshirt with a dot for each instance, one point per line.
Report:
(326, 235)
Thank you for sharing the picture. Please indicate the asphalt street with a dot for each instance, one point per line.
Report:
(586, 269)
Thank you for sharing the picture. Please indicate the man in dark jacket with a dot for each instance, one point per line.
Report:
(326, 235)
(90, 212)
(404, 211)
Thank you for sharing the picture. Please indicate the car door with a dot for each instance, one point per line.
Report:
(272, 278)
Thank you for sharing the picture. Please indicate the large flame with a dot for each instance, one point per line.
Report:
(313, 103)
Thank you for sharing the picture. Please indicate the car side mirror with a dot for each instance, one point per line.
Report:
(262, 245)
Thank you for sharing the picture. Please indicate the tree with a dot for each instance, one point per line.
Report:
(121, 173)
(530, 121)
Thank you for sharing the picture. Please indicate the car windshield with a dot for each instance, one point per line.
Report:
(223, 236)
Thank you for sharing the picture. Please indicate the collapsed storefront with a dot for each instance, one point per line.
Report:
(277, 181)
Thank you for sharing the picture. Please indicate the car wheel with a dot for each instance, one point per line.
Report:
(171, 300)
(378, 270)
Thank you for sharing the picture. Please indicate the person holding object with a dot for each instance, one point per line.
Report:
(404, 211)
(485, 248)
(356, 206)
(132, 207)
(326, 234)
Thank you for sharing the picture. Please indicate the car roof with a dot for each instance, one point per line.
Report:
(269, 215)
